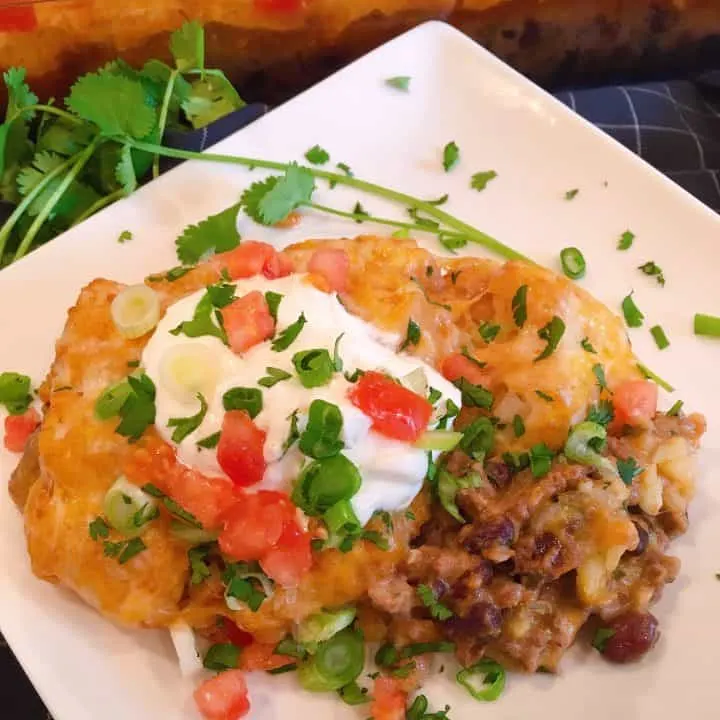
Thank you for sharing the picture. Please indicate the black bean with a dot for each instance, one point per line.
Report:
(634, 634)
(643, 540)
(496, 532)
(482, 622)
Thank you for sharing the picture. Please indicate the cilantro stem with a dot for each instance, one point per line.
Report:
(28, 200)
(162, 121)
(99, 204)
(472, 234)
(47, 109)
(80, 161)
(371, 218)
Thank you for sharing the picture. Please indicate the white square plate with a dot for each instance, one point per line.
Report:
(86, 668)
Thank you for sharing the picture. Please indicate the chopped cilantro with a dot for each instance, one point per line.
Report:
(571, 194)
(452, 241)
(474, 395)
(518, 426)
(675, 409)
(633, 316)
(317, 155)
(187, 425)
(552, 334)
(286, 338)
(138, 411)
(273, 377)
(210, 442)
(628, 469)
(544, 396)
(345, 168)
(519, 306)
(412, 335)
(451, 156)
(480, 180)
(243, 398)
(436, 608)
(602, 413)
(273, 301)
(541, 457)
(488, 331)
(294, 433)
(125, 236)
(626, 240)
(337, 360)
(587, 346)
(360, 212)
(15, 392)
(599, 372)
(653, 270)
(469, 356)
(98, 528)
(177, 272)
(400, 82)
(199, 568)
(222, 656)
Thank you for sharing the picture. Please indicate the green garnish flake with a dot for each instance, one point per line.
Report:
(317, 155)
(650, 375)
(125, 550)
(222, 656)
(519, 306)
(601, 638)
(412, 335)
(544, 396)
(518, 426)
(633, 316)
(199, 568)
(244, 398)
(572, 194)
(626, 240)
(480, 180)
(602, 413)
(273, 301)
(474, 395)
(187, 425)
(541, 457)
(345, 169)
(452, 241)
(137, 412)
(587, 346)
(15, 392)
(552, 334)
(215, 234)
(659, 337)
(628, 469)
(210, 442)
(706, 325)
(653, 270)
(488, 331)
(98, 528)
(675, 409)
(125, 236)
(436, 608)
(286, 338)
(273, 377)
(599, 372)
(451, 156)
(207, 319)
(321, 437)
(271, 200)
(400, 82)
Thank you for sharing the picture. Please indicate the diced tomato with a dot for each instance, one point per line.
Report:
(261, 656)
(458, 366)
(255, 524)
(240, 450)
(394, 410)
(247, 321)
(279, 5)
(389, 700)
(18, 428)
(236, 635)
(635, 402)
(224, 697)
(291, 559)
(333, 265)
(248, 259)
(278, 266)
(18, 19)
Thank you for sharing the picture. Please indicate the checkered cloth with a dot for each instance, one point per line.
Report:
(674, 126)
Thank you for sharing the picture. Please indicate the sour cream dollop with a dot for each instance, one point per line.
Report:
(392, 471)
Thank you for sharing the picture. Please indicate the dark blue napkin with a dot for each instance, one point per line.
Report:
(674, 126)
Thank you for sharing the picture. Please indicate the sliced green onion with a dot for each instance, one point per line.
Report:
(324, 483)
(190, 534)
(708, 325)
(315, 367)
(441, 440)
(650, 375)
(660, 337)
(112, 399)
(485, 680)
(573, 263)
(321, 437)
(633, 316)
(128, 509)
(353, 694)
(675, 409)
(244, 398)
(322, 626)
(337, 663)
(341, 517)
(135, 311)
(583, 443)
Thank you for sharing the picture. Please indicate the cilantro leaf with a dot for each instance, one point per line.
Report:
(480, 180)
(451, 156)
(289, 334)
(125, 236)
(138, 411)
(98, 528)
(15, 392)
(210, 98)
(653, 270)
(552, 334)
(130, 549)
(587, 346)
(412, 336)
(541, 457)
(273, 377)
(626, 240)
(293, 189)
(187, 45)
(602, 413)
(519, 306)
(518, 426)
(209, 442)
(317, 155)
(571, 194)
(251, 197)
(19, 94)
(452, 241)
(633, 316)
(436, 608)
(599, 372)
(199, 568)
(488, 331)
(216, 234)
(125, 171)
(114, 103)
(185, 426)
(202, 319)
(628, 469)
(400, 82)
(544, 396)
